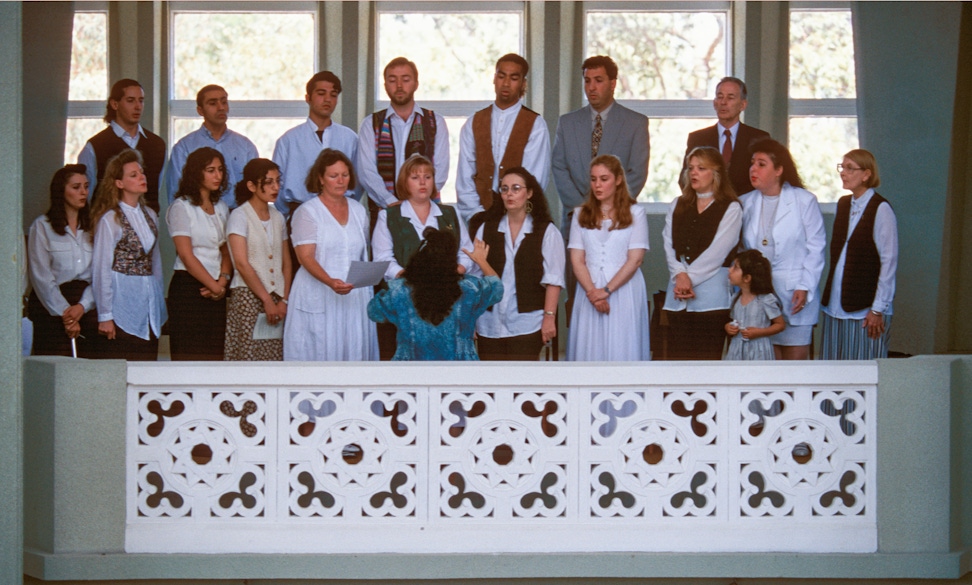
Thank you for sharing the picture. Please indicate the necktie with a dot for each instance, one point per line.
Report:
(727, 147)
(596, 136)
(320, 136)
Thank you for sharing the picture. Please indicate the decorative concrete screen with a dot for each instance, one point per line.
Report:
(354, 458)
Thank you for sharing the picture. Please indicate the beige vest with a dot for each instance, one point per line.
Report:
(265, 257)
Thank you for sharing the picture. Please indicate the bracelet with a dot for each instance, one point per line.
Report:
(551, 313)
(873, 312)
(227, 275)
(285, 301)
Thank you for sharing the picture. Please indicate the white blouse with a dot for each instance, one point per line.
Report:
(207, 232)
(56, 259)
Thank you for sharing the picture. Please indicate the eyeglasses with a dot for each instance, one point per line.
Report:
(841, 168)
(504, 189)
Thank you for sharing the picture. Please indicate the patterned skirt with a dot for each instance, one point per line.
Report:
(241, 315)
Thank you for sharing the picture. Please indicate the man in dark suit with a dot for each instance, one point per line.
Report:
(601, 127)
(730, 136)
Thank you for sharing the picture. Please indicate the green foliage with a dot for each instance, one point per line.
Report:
(89, 56)
(821, 55)
(817, 145)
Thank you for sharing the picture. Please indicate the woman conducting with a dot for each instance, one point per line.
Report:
(434, 307)
(327, 318)
(782, 220)
(399, 228)
(61, 304)
(201, 275)
(701, 235)
(608, 240)
(863, 260)
(126, 265)
(258, 246)
(528, 251)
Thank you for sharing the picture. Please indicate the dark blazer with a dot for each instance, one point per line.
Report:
(739, 164)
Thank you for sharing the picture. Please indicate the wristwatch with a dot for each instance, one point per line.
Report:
(607, 289)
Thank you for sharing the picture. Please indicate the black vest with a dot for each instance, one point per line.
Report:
(107, 144)
(862, 264)
(527, 264)
(693, 232)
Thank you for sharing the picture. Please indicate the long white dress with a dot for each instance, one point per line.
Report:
(322, 325)
(621, 334)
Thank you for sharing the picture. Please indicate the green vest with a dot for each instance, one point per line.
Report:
(405, 241)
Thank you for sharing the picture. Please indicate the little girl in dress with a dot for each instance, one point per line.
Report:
(755, 311)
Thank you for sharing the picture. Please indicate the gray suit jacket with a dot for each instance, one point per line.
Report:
(625, 136)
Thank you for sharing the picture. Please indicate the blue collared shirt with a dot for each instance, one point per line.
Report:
(296, 152)
(237, 150)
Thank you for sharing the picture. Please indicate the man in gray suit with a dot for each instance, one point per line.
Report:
(601, 127)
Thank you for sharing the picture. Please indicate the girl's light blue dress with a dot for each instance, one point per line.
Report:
(758, 313)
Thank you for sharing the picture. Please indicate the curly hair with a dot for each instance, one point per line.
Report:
(108, 195)
(781, 157)
(190, 184)
(590, 213)
(56, 212)
(540, 212)
(326, 159)
(254, 172)
(431, 274)
(711, 158)
(754, 265)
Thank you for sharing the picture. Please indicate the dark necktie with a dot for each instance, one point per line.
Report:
(596, 136)
(727, 147)
(320, 136)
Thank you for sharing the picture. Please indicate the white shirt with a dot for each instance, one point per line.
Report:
(367, 164)
(536, 155)
(206, 232)
(504, 319)
(383, 247)
(886, 241)
(710, 279)
(56, 259)
(295, 153)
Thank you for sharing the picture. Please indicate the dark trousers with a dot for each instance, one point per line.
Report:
(129, 347)
(521, 348)
(197, 325)
(49, 336)
(696, 336)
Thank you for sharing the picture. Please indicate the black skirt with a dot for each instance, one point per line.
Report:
(197, 325)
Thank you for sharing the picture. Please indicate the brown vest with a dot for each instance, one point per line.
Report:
(513, 157)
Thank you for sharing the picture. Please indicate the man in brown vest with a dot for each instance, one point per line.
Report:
(504, 135)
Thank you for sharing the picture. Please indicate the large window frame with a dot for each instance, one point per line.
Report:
(662, 109)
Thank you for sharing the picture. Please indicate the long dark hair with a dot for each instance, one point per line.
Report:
(254, 172)
(781, 157)
(757, 267)
(190, 184)
(431, 273)
(540, 212)
(56, 213)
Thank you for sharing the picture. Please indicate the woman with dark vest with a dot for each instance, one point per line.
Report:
(527, 250)
(863, 260)
(701, 234)
(782, 220)
(398, 231)
(202, 271)
(126, 265)
(61, 304)
(433, 307)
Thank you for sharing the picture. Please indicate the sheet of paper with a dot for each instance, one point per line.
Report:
(366, 273)
(264, 330)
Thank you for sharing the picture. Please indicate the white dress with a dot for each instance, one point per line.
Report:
(621, 334)
(322, 325)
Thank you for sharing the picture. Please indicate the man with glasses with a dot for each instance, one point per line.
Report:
(237, 150)
(388, 137)
(730, 136)
(298, 148)
(504, 135)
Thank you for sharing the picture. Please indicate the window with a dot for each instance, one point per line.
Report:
(89, 80)
(263, 57)
(669, 61)
(455, 53)
(823, 108)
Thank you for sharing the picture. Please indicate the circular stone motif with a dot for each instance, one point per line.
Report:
(653, 457)
(351, 455)
(803, 456)
(203, 456)
(503, 455)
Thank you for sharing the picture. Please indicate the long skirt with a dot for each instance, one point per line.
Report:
(241, 316)
(197, 325)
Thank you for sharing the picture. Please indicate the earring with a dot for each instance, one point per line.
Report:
(529, 206)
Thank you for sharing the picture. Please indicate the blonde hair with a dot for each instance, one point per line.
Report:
(590, 212)
(867, 162)
(712, 158)
(108, 194)
(412, 164)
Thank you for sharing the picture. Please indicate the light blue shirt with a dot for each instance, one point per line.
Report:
(88, 158)
(237, 150)
(296, 152)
